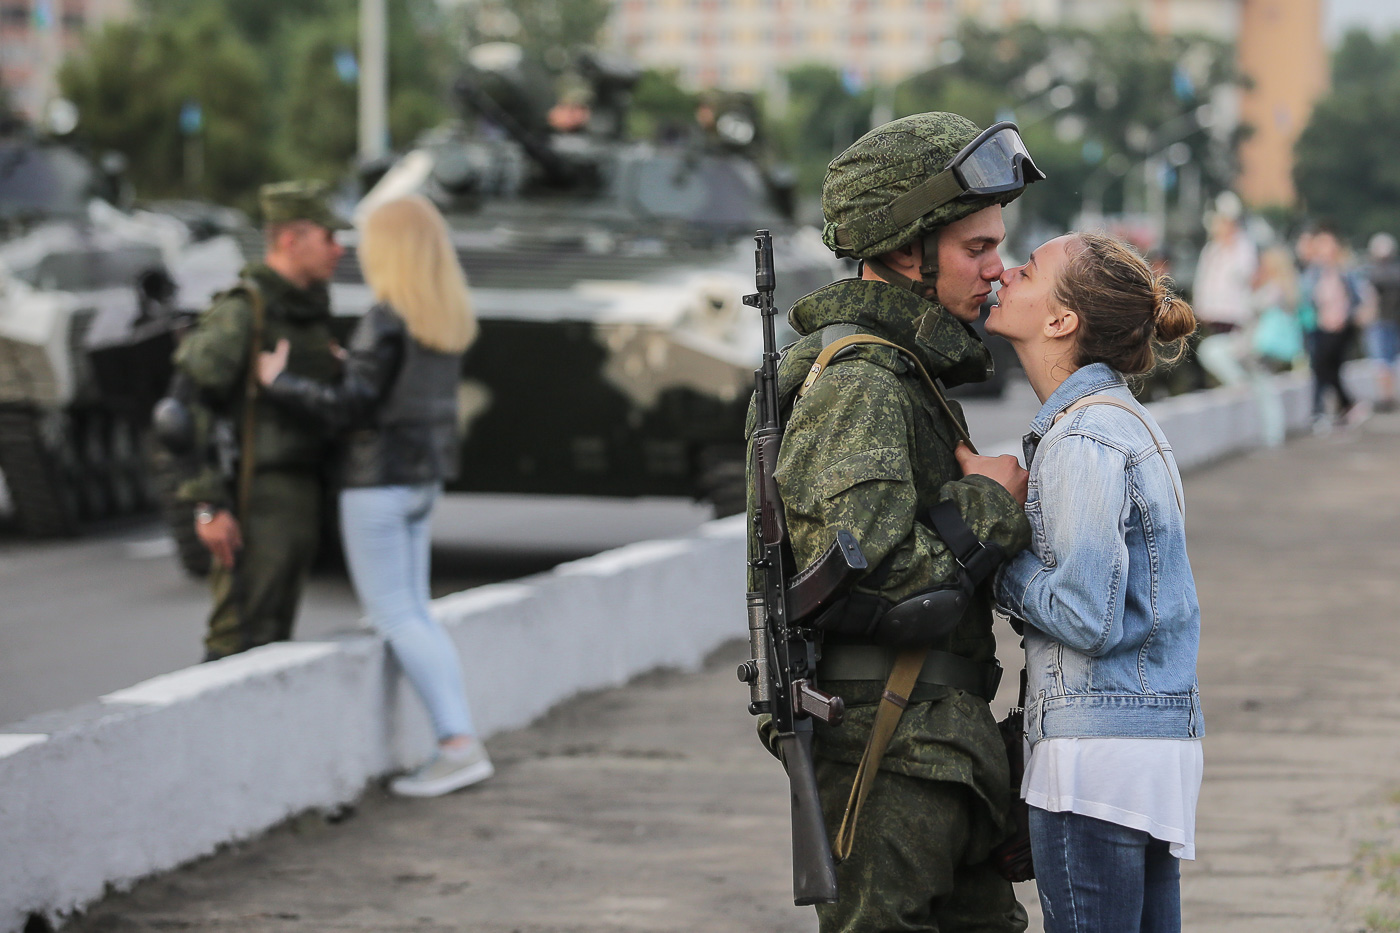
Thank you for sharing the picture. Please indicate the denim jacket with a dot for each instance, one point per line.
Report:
(1106, 589)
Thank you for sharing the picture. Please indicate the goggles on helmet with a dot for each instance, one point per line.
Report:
(997, 161)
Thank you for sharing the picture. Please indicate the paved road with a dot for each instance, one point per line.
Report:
(651, 808)
(82, 618)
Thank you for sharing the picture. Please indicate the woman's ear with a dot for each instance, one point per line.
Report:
(1061, 323)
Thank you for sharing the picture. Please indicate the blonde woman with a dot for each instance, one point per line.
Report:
(398, 403)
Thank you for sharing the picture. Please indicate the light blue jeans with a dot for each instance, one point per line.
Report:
(386, 533)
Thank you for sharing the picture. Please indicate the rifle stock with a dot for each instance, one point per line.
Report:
(813, 868)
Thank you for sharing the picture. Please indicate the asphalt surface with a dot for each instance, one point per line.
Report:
(82, 618)
(652, 808)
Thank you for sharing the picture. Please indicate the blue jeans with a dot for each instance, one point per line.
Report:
(1099, 877)
(387, 540)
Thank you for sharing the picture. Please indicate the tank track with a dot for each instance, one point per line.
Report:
(64, 468)
(44, 500)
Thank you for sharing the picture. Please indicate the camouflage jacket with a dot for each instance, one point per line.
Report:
(215, 357)
(869, 449)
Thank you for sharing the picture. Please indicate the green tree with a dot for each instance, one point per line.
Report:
(1344, 167)
(825, 114)
(132, 84)
(660, 106)
(319, 113)
(270, 77)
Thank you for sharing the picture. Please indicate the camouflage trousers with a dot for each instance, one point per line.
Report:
(907, 871)
(256, 602)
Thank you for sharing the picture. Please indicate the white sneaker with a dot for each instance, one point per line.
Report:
(445, 773)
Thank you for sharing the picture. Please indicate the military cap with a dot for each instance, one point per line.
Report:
(863, 182)
(287, 201)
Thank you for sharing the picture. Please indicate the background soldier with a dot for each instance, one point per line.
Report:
(261, 563)
(871, 449)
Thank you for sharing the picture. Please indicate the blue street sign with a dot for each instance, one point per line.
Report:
(191, 118)
(346, 66)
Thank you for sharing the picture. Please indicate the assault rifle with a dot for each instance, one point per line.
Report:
(784, 650)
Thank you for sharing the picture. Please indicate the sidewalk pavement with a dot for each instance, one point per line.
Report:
(652, 808)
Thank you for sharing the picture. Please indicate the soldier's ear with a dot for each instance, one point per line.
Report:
(906, 259)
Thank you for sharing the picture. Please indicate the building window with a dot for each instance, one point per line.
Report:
(14, 14)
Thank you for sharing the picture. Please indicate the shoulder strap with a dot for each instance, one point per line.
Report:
(830, 351)
(251, 385)
(1088, 400)
(903, 676)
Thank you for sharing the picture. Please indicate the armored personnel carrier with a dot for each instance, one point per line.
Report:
(77, 275)
(615, 355)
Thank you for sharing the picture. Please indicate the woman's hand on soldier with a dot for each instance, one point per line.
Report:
(271, 363)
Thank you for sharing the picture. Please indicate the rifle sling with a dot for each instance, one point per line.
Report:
(910, 662)
(246, 452)
(251, 387)
(830, 351)
(893, 702)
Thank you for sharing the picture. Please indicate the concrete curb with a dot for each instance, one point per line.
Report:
(164, 772)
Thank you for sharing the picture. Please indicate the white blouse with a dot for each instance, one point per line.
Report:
(1146, 784)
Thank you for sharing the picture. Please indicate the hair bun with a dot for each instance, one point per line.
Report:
(1173, 317)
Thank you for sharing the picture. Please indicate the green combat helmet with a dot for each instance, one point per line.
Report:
(913, 176)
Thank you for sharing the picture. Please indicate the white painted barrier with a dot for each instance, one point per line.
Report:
(163, 772)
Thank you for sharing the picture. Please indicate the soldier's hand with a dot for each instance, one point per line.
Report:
(221, 536)
(1005, 469)
(271, 363)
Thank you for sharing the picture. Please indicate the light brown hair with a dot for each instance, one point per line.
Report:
(409, 263)
(1128, 316)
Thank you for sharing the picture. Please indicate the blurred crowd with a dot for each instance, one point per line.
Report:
(1266, 306)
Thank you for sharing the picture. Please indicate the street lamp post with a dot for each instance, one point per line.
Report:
(374, 80)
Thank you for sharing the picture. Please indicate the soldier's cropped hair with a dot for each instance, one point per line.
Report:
(409, 263)
(1129, 317)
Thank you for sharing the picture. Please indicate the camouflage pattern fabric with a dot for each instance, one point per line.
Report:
(904, 873)
(868, 449)
(885, 163)
(280, 542)
(215, 356)
(287, 201)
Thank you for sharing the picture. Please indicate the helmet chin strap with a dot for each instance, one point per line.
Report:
(926, 286)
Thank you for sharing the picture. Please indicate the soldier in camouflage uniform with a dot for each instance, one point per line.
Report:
(870, 449)
(259, 568)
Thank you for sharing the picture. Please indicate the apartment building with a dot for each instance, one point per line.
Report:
(35, 35)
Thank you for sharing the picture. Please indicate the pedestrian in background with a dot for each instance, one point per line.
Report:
(398, 402)
(1331, 295)
(1275, 338)
(1112, 622)
(1383, 336)
(1224, 277)
(263, 527)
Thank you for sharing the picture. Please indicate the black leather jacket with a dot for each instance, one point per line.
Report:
(397, 400)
